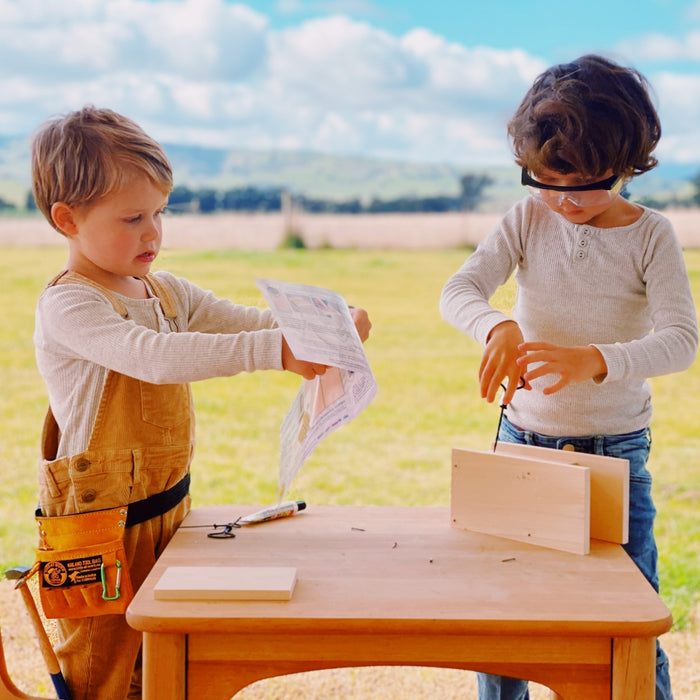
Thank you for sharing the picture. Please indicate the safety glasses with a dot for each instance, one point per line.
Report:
(588, 195)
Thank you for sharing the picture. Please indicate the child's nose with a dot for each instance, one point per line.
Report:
(565, 202)
(151, 232)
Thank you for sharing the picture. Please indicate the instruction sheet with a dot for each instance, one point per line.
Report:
(318, 327)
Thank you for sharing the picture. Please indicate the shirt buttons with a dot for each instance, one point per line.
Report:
(582, 243)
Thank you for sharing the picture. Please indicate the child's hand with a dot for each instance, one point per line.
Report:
(362, 322)
(572, 364)
(308, 370)
(499, 362)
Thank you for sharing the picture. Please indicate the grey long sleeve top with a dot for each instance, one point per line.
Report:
(624, 290)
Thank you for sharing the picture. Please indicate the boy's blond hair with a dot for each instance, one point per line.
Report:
(90, 153)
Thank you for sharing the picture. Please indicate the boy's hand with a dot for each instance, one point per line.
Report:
(572, 364)
(308, 370)
(362, 322)
(499, 362)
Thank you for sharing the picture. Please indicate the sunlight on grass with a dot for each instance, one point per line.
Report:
(396, 452)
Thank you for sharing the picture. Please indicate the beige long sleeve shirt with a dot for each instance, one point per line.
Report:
(79, 337)
(624, 290)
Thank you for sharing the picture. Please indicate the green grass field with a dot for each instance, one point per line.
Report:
(396, 452)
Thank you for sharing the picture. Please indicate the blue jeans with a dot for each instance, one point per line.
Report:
(641, 546)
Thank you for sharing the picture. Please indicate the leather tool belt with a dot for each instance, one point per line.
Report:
(83, 571)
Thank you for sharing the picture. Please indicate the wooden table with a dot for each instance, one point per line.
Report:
(399, 586)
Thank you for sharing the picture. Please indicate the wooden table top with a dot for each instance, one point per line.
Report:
(398, 569)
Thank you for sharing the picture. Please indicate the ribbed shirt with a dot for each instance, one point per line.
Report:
(79, 337)
(624, 290)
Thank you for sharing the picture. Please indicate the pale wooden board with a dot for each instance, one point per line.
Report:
(226, 583)
(528, 500)
(610, 486)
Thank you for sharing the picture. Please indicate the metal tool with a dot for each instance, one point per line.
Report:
(21, 574)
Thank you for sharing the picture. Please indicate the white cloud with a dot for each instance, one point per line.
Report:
(206, 39)
(416, 96)
(197, 39)
(679, 103)
(212, 72)
(341, 62)
(478, 74)
(216, 73)
(661, 48)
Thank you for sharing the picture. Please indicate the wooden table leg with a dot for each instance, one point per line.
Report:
(164, 666)
(634, 668)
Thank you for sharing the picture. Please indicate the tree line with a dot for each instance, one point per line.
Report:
(272, 199)
(207, 200)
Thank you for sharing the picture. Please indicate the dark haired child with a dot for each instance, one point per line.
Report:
(603, 297)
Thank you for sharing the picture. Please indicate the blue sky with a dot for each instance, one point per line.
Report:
(553, 30)
(422, 81)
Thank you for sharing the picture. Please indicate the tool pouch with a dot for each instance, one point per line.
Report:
(82, 564)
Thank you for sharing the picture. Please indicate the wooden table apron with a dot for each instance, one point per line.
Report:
(398, 586)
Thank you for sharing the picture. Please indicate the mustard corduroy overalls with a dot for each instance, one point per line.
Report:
(141, 445)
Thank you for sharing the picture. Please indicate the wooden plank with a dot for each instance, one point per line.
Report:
(226, 583)
(220, 665)
(527, 500)
(610, 481)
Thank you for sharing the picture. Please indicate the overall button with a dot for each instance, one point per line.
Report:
(83, 464)
(88, 496)
(569, 447)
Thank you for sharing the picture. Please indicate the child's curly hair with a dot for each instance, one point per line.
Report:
(588, 116)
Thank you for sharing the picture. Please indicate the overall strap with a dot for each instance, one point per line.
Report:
(162, 290)
(159, 288)
(70, 277)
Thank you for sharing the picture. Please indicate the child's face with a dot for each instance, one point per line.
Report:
(596, 207)
(119, 236)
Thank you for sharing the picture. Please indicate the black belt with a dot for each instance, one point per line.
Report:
(153, 506)
(158, 503)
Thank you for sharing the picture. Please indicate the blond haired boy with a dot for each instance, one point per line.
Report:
(117, 347)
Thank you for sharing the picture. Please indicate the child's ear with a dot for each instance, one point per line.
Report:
(63, 218)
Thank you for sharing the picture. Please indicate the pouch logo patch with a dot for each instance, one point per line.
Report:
(72, 572)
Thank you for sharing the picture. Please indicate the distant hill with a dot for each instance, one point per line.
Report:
(326, 176)
(313, 174)
(345, 177)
